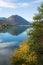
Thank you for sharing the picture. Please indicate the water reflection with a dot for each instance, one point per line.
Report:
(15, 30)
(10, 38)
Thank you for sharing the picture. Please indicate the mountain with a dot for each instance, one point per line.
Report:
(14, 20)
(2, 20)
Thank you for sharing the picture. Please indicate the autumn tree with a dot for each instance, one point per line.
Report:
(24, 56)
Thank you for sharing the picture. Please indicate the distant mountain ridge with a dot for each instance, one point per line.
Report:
(2, 20)
(14, 20)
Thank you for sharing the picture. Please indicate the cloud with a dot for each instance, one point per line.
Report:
(12, 5)
(8, 0)
(6, 44)
(29, 4)
(22, 4)
(36, 1)
(4, 3)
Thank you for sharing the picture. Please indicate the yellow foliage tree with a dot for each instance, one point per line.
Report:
(24, 56)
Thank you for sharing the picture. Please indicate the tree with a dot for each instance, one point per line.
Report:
(24, 56)
(36, 33)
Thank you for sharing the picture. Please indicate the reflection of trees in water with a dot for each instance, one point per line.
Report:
(3, 26)
(14, 30)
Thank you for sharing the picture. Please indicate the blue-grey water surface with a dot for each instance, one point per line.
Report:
(10, 39)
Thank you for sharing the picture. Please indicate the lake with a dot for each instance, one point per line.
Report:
(10, 38)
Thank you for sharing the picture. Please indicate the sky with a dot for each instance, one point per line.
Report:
(24, 8)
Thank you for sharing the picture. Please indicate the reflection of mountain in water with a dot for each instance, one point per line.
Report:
(15, 30)
(14, 24)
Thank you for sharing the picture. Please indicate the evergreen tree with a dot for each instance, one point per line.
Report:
(36, 34)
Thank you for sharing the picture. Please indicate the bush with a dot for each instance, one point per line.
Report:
(24, 56)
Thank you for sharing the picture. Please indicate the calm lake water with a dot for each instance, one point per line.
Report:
(10, 38)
